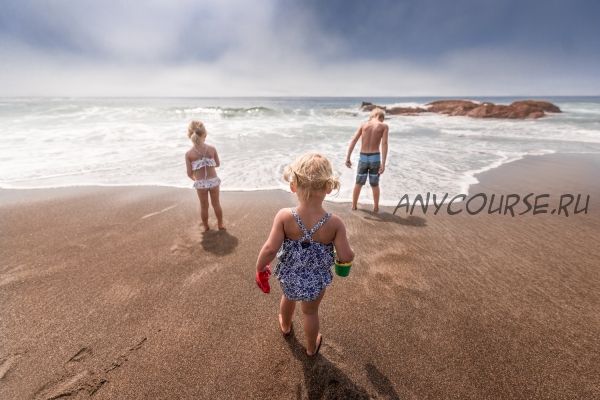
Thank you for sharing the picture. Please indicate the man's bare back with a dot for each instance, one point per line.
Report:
(372, 133)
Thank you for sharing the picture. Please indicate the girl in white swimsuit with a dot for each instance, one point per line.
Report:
(201, 162)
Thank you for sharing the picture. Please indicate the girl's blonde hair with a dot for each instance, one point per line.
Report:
(311, 172)
(196, 132)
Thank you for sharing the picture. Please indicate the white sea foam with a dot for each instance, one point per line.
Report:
(75, 142)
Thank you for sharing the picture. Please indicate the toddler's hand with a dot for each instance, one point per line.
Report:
(348, 163)
(262, 279)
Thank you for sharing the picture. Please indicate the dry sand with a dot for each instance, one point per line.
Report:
(115, 293)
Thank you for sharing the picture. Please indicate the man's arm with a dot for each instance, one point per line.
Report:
(355, 138)
(384, 149)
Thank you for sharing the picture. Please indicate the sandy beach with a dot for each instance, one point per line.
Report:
(114, 293)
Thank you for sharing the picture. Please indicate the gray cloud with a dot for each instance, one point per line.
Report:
(235, 47)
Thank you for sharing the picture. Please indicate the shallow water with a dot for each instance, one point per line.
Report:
(52, 142)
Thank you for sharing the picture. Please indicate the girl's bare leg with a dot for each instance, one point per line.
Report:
(214, 200)
(310, 314)
(203, 197)
(286, 313)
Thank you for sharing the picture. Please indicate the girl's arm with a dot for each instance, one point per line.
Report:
(217, 158)
(273, 243)
(342, 246)
(188, 165)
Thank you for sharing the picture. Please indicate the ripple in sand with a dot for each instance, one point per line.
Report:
(159, 212)
(119, 293)
(24, 272)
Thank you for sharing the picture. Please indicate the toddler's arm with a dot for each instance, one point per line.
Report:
(273, 243)
(342, 246)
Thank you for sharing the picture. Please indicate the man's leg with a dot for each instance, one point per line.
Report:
(374, 182)
(355, 194)
(361, 178)
(375, 198)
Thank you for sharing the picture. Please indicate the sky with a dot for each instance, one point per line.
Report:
(299, 48)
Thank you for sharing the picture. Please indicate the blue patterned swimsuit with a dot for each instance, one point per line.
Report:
(304, 267)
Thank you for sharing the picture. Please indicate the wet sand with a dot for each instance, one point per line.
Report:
(116, 293)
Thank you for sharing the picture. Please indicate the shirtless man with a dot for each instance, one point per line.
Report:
(371, 163)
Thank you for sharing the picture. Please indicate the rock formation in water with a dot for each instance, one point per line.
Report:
(522, 109)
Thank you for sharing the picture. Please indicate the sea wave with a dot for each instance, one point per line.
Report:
(125, 142)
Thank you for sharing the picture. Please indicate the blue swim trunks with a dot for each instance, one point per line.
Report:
(368, 165)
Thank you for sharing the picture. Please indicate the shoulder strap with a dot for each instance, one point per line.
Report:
(319, 224)
(305, 233)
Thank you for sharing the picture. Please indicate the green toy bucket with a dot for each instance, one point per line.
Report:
(342, 269)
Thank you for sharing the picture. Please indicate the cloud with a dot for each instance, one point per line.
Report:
(265, 47)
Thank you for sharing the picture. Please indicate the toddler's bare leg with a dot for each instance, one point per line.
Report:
(310, 313)
(286, 313)
(214, 200)
(203, 196)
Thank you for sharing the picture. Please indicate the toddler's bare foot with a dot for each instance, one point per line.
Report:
(222, 227)
(354, 208)
(375, 209)
(284, 331)
(206, 228)
(318, 346)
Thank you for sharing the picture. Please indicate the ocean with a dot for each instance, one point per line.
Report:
(57, 142)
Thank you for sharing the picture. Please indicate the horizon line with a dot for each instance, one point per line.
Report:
(282, 96)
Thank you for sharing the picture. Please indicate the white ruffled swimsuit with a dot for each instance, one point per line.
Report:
(206, 183)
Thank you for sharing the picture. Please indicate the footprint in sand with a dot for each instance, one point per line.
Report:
(83, 353)
(116, 363)
(7, 363)
(87, 381)
(84, 381)
(397, 268)
(122, 358)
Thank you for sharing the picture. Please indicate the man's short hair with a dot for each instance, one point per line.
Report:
(377, 113)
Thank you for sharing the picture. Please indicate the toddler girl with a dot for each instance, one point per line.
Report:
(305, 255)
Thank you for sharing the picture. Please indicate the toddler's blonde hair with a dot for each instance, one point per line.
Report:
(377, 113)
(196, 132)
(311, 172)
